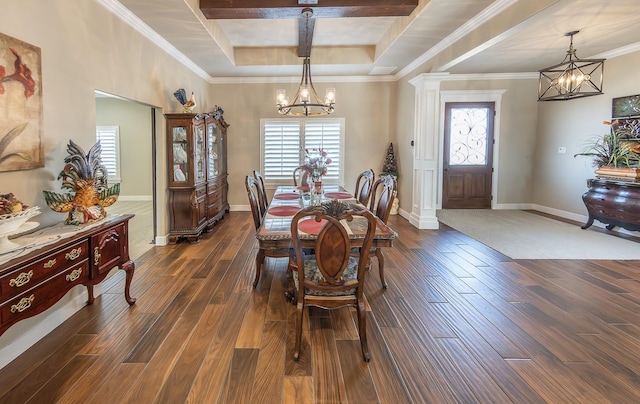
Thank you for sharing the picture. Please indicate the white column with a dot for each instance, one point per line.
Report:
(426, 158)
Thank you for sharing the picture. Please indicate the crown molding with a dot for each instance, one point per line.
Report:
(487, 14)
(634, 47)
(134, 22)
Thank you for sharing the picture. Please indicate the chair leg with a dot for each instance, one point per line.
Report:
(381, 266)
(300, 315)
(259, 261)
(362, 331)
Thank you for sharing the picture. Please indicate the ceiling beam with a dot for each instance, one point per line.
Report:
(246, 9)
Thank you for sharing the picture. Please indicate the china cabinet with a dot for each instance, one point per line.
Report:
(196, 153)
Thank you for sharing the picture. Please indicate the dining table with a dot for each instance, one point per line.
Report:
(275, 230)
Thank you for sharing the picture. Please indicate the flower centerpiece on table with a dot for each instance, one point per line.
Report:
(315, 163)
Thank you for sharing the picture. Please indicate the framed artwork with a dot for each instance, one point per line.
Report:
(626, 107)
(21, 140)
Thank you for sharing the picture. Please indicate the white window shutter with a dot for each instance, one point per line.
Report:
(109, 137)
(283, 142)
(281, 149)
(326, 135)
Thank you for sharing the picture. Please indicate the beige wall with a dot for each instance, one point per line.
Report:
(560, 179)
(134, 122)
(366, 107)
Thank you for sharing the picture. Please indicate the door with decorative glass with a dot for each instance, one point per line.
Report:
(468, 155)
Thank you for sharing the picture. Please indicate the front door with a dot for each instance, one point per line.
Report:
(468, 155)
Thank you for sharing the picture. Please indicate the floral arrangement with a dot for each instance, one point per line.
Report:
(316, 162)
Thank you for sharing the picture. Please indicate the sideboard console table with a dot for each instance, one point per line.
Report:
(615, 203)
(55, 259)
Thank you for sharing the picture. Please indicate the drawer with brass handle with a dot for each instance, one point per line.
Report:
(40, 297)
(25, 277)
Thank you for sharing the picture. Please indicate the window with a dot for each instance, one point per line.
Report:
(284, 141)
(109, 137)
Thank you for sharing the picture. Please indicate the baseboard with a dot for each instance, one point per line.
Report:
(135, 198)
(240, 208)
(403, 213)
(515, 206)
(161, 240)
(578, 218)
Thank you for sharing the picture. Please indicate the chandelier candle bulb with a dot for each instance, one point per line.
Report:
(330, 96)
(304, 94)
(281, 97)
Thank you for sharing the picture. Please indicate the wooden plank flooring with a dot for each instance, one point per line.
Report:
(459, 323)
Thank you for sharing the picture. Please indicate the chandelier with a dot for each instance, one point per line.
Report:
(306, 101)
(573, 78)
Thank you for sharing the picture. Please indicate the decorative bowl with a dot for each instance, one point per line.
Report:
(11, 222)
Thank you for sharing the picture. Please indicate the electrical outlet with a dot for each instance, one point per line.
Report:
(562, 150)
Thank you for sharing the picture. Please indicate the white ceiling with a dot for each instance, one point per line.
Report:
(457, 36)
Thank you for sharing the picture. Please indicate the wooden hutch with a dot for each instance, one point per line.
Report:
(197, 162)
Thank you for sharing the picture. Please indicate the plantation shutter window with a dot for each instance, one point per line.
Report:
(284, 141)
(281, 149)
(325, 135)
(109, 138)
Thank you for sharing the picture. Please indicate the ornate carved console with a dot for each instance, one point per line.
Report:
(32, 282)
(615, 203)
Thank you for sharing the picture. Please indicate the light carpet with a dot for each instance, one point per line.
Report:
(523, 235)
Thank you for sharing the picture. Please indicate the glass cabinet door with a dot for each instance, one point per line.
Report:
(222, 163)
(213, 142)
(199, 154)
(180, 154)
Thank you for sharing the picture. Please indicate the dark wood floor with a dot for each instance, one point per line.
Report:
(459, 323)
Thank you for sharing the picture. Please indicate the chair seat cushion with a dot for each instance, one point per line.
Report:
(312, 273)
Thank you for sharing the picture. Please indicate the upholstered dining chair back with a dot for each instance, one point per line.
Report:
(364, 183)
(382, 194)
(263, 202)
(252, 192)
(331, 277)
(300, 176)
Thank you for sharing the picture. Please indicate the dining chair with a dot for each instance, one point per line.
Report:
(252, 192)
(363, 186)
(331, 278)
(300, 176)
(263, 202)
(382, 194)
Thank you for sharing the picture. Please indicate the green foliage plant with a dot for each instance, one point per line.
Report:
(614, 149)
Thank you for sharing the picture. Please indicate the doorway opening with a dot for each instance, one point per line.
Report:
(137, 166)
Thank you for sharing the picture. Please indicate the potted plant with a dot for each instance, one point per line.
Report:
(616, 154)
